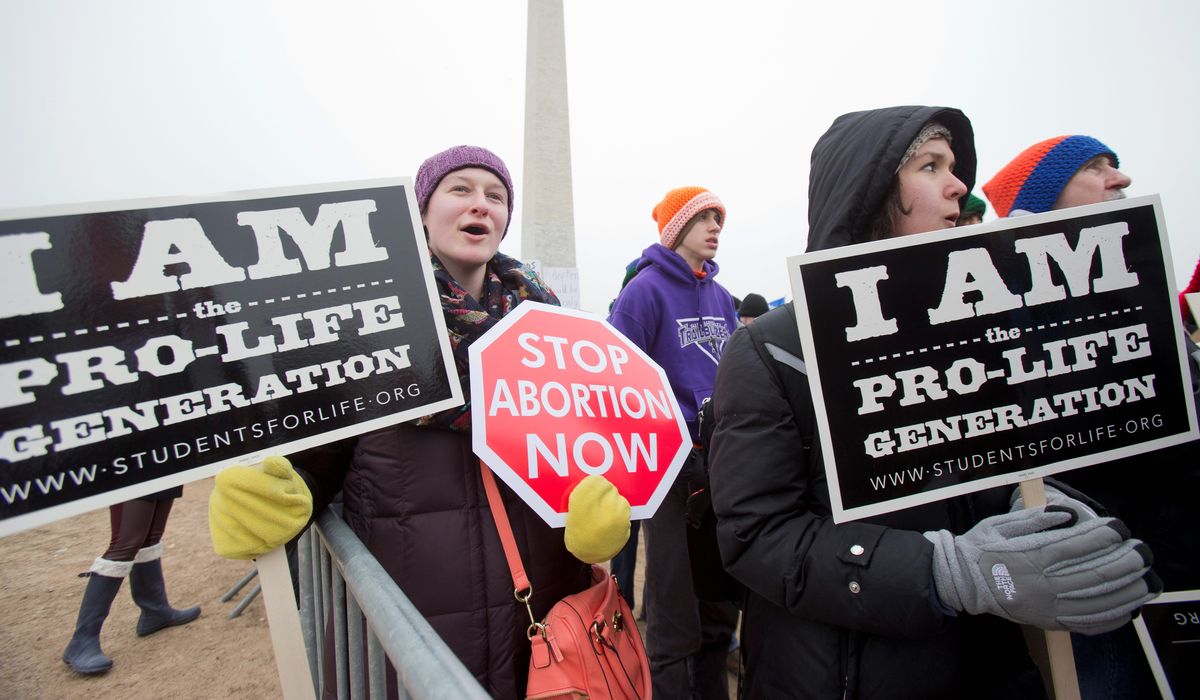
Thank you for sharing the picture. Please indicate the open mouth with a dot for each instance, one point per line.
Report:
(952, 219)
(475, 230)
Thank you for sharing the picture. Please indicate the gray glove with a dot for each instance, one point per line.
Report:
(1046, 567)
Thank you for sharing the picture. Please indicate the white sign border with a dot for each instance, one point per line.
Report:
(1143, 632)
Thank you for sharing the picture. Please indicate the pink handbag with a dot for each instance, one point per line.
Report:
(588, 646)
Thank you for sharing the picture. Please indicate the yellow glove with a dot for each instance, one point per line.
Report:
(253, 510)
(597, 520)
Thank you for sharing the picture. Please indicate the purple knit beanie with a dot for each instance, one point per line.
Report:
(442, 164)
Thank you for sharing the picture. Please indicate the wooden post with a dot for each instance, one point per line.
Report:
(295, 678)
(1058, 642)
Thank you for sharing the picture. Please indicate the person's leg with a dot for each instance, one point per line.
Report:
(673, 620)
(710, 664)
(625, 562)
(131, 521)
(146, 579)
(83, 653)
(1112, 666)
(158, 523)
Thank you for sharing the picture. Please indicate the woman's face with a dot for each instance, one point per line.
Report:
(929, 191)
(465, 218)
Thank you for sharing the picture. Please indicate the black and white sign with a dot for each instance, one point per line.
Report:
(147, 344)
(954, 361)
(1169, 627)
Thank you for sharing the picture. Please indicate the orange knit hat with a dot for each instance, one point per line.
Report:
(678, 208)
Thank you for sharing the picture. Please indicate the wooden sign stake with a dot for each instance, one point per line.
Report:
(1058, 642)
(295, 678)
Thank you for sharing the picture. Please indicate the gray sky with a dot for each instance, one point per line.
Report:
(120, 100)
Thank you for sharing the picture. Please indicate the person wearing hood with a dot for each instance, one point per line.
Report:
(676, 312)
(900, 605)
(413, 492)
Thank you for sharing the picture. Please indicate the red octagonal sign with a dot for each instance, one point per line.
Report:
(559, 394)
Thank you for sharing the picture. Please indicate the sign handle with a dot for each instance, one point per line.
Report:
(283, 619)
(1058, 642)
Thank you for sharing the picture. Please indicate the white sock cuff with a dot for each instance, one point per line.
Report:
(150, 553)
(112, 569)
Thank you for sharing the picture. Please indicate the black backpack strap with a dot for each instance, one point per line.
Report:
(787, 358)
(777, 352)
(778, 335)
(776, 338)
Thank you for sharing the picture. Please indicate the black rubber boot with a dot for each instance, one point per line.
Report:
(150, 594)
(83, 653)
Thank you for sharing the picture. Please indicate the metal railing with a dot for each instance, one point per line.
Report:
(337, 573)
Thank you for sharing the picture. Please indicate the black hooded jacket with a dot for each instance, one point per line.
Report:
(849, 610)
(854, 165)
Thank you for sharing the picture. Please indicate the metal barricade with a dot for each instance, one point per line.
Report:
(337, 572)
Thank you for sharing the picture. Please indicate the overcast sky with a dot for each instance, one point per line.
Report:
(120, 100)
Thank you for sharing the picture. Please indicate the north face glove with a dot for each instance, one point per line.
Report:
(597, 520)
(253, 510)
(1046, 567)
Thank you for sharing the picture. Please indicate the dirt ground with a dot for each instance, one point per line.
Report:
(213, 657)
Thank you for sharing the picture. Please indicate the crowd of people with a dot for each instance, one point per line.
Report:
(893, 606)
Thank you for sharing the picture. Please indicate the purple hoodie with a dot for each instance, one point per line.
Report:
(679, 320)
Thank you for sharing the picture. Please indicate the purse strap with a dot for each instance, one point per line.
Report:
(504, 528)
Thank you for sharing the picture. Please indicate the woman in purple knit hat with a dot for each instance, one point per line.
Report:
(413, 492)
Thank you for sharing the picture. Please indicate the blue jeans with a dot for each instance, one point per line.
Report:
(625, 562)
(1112, 666)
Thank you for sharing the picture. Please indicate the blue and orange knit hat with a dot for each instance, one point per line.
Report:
(1034, 179)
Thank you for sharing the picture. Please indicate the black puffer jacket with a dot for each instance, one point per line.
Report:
(850, 610)
(415, 498)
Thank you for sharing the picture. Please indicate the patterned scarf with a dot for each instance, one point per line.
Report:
(506, 283)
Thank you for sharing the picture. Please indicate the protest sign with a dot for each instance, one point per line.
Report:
(1169, 628)
(559, 394)
(563, 280)
(958, 360)
(145, 344)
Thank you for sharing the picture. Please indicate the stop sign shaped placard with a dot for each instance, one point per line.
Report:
(559, 394)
